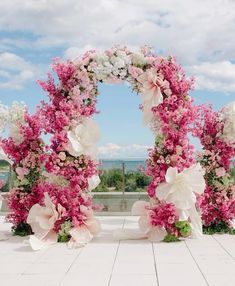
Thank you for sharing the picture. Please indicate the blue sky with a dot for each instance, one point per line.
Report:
(200, 34)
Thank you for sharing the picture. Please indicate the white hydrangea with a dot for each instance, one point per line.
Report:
(138, 60)
(115, 65)
(228, 116)
(10, 117)
(4, 117)
(17, 112)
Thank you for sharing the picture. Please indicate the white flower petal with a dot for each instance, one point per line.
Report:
(157, 234)
(139, 208)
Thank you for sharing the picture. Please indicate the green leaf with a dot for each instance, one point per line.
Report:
(220, 227)
(171, 238)
(22, 229)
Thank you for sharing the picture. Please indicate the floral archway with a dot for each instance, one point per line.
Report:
(55, 181)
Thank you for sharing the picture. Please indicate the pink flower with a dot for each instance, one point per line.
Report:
(21, 172)
(220, 172)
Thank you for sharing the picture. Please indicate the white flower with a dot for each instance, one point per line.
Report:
(82, 140)
(42, 220)
(180, 189)
(17, 112)
(115, 65)
(4, 117)
(11, 117)
(93, 182)
(14, 133)
(228, 116)
(138, 60)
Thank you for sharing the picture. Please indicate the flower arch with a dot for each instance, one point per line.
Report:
(70, 165)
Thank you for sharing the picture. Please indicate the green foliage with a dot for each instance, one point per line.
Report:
(112, 180)
(102, 188)
(232, 173)
(170, 238)
(63, 235)
(4, 164)
(22, 229)
(220, 227)
(29, 181)
(183, 227)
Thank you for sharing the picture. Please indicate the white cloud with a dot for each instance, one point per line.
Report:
(15, 71)
(115, 151)
(73, 52)
(214, 76)
(196, 32)
(191, 29)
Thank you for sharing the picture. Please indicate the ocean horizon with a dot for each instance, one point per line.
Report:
(129, 163)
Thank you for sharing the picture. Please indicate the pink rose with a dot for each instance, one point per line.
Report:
(62, 156)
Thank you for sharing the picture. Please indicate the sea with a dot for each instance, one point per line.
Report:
(129, 164)
(3, 176)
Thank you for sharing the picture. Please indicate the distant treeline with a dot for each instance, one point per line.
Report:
(115, 180)
(3, 163)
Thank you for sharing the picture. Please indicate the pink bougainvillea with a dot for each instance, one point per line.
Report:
(25, 156)
(218, 202)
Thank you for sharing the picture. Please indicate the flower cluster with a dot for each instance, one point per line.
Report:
(217, 136)
(24, 149)
(172, 214)
(63, 215)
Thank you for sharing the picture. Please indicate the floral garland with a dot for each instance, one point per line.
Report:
(216, 131)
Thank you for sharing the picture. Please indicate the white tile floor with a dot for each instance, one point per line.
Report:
(106, 262)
